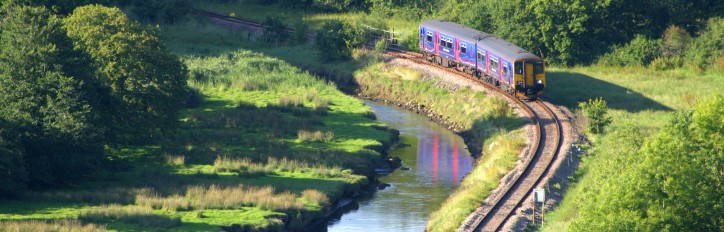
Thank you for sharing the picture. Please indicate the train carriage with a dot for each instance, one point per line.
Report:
(478, 53)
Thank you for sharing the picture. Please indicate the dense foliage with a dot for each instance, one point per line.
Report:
(67, 90)
(673, 182)
(45, 98)
(336, 40)
(143, 83)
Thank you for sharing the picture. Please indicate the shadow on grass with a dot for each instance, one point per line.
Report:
(569, 88)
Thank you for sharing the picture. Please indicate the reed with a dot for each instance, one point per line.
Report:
(65, 225)
(315, 136)
(172, 203)
(217, 197)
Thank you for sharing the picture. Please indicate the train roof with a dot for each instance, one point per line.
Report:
(454, 29)
(507, 50)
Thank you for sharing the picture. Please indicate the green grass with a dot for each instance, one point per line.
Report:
(636, 96)
(500, 156)
(253, 108)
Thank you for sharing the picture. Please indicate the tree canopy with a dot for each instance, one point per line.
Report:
(44, 98)
(144, 81)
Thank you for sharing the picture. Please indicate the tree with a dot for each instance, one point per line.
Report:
(336, 40)
(45, 98)
(595, 111)
(143, 84)
(673, 183)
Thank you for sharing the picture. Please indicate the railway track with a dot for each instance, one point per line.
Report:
(500, 205)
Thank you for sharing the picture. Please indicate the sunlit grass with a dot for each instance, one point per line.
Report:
(636, 96)
(171, 203)
(217, 197)
(140, 215)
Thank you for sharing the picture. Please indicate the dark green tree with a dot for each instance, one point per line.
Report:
(143, 84)
(45, 98)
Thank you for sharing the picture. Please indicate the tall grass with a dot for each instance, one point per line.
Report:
(316, 197)
(140, 215)
(315, 136)
(172, 203)
(500, 156)
(218, 197)
(177, 160)
(52, 226)
(247, 167)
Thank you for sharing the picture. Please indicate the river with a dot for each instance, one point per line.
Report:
(438, 160)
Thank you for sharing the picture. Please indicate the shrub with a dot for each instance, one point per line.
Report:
(675, 42)
(639, 52)
(666, 63)
(336, 39)
(708, 48)
(595, 111)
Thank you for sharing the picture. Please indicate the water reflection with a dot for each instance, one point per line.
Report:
(437, 159)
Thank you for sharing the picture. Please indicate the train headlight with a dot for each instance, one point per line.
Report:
(539, 82)
(519, 83)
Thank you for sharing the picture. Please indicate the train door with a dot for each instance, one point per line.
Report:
(529, 76)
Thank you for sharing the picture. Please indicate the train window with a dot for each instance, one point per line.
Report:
(518, 68)
(538, 67)
(505, 68)
(449, 43)
(481, 56)
(463, 48)
(429, 37)
(494, 64)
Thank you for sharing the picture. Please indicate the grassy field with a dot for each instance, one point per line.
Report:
(636, 96)
(266, 146)
(479, 117)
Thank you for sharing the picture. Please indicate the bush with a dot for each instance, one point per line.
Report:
(675, 42)
(666, 63)
(336, 40)
(639, 52)
(595, 111)
(708, 48)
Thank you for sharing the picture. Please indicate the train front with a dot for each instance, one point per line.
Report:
(530, 78)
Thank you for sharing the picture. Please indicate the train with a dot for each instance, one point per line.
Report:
(489, 58)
